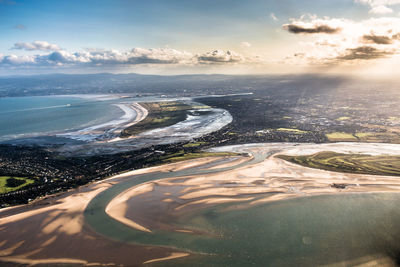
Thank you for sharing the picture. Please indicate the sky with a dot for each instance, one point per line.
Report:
(199, 36)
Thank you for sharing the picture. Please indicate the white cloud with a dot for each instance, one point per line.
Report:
(245, 44)
(37, 45)
(381, 10)
(219, 56)
(272, 15)
(136, 56)
(379, 6)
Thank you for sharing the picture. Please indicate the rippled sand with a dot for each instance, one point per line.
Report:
(53, 230)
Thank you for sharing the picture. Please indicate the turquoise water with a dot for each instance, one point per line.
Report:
(26, 116)
(312, 231)
(308, 231)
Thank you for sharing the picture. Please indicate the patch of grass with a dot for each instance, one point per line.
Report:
(340, 136)
(9, 184)
(181, 156)
(195, 144)
(352, 163)
(343, 118)
(363, 135)
(160, 114)
(378, 137)
(290, 130)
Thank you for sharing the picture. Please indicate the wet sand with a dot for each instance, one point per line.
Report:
(271, 180)
(141, 114)
(53, 230)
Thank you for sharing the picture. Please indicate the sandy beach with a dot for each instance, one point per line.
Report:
(53, 229)
(272, 180)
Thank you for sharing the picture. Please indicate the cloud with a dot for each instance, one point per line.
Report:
(317, 29)
(379, 6)
(378, 39)
(313, 26)
(219, 56)
(272, 15)
(245, 44)
(356, 41)
(20, 27)
(136, 56)
(36, 45)
(16, 60)
(381, 10)
(364, 53)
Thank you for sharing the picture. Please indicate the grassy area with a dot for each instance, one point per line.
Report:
(378, 137)
(291, 130)
(181, 156)
(353, 163)
(370, 137)
(9, 184)
(340, 137)
(343, 118)
(196, 144)
(161, 114)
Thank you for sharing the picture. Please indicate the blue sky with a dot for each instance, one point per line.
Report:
(253, 31)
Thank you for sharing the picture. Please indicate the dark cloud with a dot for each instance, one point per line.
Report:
(364, 53)
(377, 39)
(396, 36)
(297, 29)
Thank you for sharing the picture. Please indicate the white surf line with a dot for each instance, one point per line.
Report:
(39, 108)
(141, 114)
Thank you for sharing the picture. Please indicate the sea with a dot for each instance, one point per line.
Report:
(34, 116)
(87, 124)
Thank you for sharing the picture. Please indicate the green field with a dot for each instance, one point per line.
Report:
(180, 156)
(161, 114)
(369, 137)
(6, 186)
(353, 163)
(195, 144)
(291, 130)
(341, 137)
(385, 137)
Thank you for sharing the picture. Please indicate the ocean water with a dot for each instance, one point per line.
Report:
(22, 117)
(84, 124)
(348, 229)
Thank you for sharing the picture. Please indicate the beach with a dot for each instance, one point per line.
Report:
(157, 207)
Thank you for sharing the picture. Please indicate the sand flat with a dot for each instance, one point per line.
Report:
(38, 233)
(273, 179)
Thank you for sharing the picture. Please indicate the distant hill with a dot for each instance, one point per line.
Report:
(106, 83)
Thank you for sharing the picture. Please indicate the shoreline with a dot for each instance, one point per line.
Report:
(141, 114)
(133, 113)
(58, 219)
(84, 132)
(246, 185)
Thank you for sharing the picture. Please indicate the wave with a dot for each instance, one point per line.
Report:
(105, 130)
(40, 108)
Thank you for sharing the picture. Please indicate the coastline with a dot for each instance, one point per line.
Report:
(250, 185)
(133, 113)
(176, 193)
(87, 131)
(140, 114)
